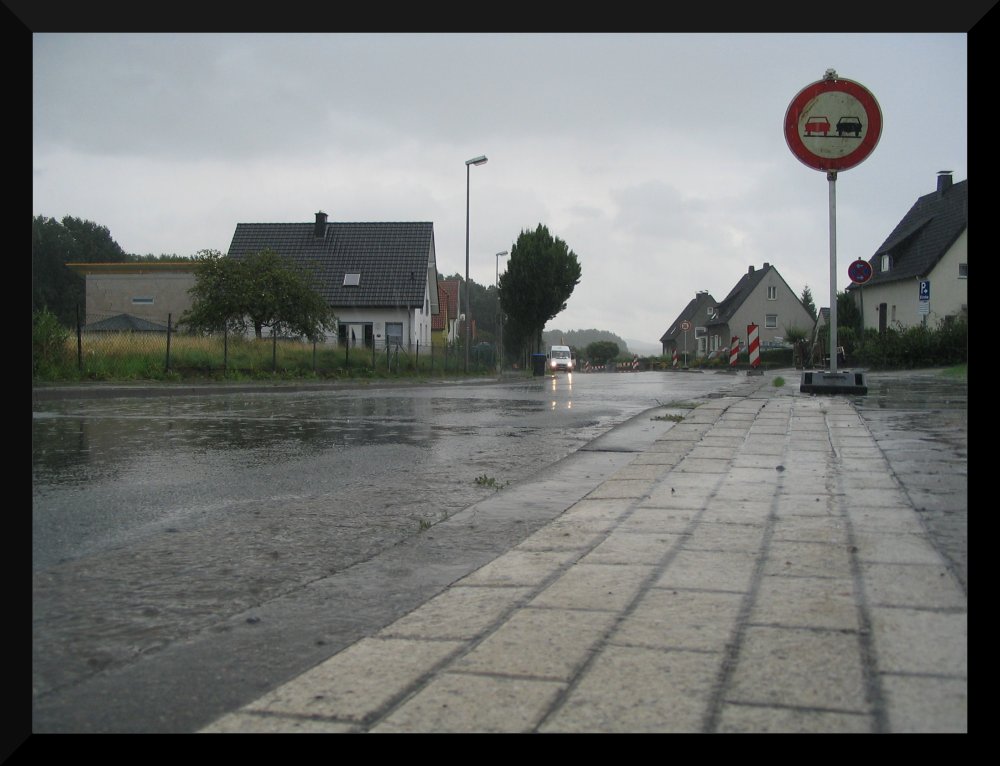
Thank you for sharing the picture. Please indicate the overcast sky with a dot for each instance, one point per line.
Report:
(660, 159)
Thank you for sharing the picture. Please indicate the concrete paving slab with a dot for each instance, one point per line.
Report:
(670, 618)
(807, 602)
(540, 643)
(637, 690)
(462, 703)
(920, 641)
(596, 586)
(709, 570)
(799, 667)
(756, 719)
(926, 705)
(459, 613)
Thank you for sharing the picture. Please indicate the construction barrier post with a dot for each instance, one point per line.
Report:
(753, 341)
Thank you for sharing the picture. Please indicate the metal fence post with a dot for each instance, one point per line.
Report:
(169, 317)
(79, 341)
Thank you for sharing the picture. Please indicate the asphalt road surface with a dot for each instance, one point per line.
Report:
(190, 552)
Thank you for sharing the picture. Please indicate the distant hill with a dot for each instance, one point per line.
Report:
(580, 339)
(643, 348)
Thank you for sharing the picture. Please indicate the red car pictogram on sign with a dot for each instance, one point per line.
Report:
(817, 125)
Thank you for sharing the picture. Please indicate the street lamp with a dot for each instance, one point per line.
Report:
(500, 310)
(480, 160)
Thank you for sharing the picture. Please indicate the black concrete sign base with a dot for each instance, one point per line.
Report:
(840, 382)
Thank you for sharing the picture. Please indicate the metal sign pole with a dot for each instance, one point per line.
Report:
(832, 178)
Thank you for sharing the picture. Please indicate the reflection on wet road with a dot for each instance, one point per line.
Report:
(105, 472)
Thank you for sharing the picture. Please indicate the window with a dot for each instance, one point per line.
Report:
(963, 271)
(892, 313)
(143, 300)
(352, 280)
(772, 293)
(394, 334)
(886, 263)
(711, 312)
(770, 320)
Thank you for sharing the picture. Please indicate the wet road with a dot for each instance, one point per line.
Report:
(158, 519)
(920, 419)
(159, 523)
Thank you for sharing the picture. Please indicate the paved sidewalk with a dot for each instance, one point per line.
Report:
(757, 569)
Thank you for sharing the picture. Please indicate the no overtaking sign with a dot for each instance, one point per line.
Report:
(833, 124)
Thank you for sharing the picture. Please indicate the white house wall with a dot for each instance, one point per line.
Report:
(949, 293)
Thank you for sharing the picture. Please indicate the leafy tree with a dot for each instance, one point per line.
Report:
(602, 351)
(541, 274)
(848, 314)
(54, 243)
(807, 302)
(260, 290)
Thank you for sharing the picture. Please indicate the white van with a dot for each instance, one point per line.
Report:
(560, 358)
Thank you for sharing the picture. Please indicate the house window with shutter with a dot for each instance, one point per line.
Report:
(772, 293)
(770, 320)
(886, 263)
(963, 271)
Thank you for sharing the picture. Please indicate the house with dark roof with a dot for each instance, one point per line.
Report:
(691, 341)
(928, 250)
(761, 297)
(380, 278)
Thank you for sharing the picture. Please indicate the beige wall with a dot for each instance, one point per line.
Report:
(111, 294)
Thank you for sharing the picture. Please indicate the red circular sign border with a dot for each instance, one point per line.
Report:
(868, 143)
(867, 269)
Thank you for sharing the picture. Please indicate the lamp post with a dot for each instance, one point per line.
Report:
(480, 160)
(500, 255)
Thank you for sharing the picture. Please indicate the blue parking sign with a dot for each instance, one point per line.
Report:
(925, 290)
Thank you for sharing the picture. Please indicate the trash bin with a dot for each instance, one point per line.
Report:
(538, 364)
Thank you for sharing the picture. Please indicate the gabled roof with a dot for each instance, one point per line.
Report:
(392, 260)
(124, 323)
(691, 312)
(924, 234)
(747, 284)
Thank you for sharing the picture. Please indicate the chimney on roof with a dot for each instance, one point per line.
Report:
(943, 181)
(766, 264)
(751, 269)
(320, 230)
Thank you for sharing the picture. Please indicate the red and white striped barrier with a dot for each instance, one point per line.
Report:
(635, 363)
(676, 361)
(734, 350)
(753, 341)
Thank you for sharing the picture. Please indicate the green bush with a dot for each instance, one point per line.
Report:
(49, 352)
(913, 347)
